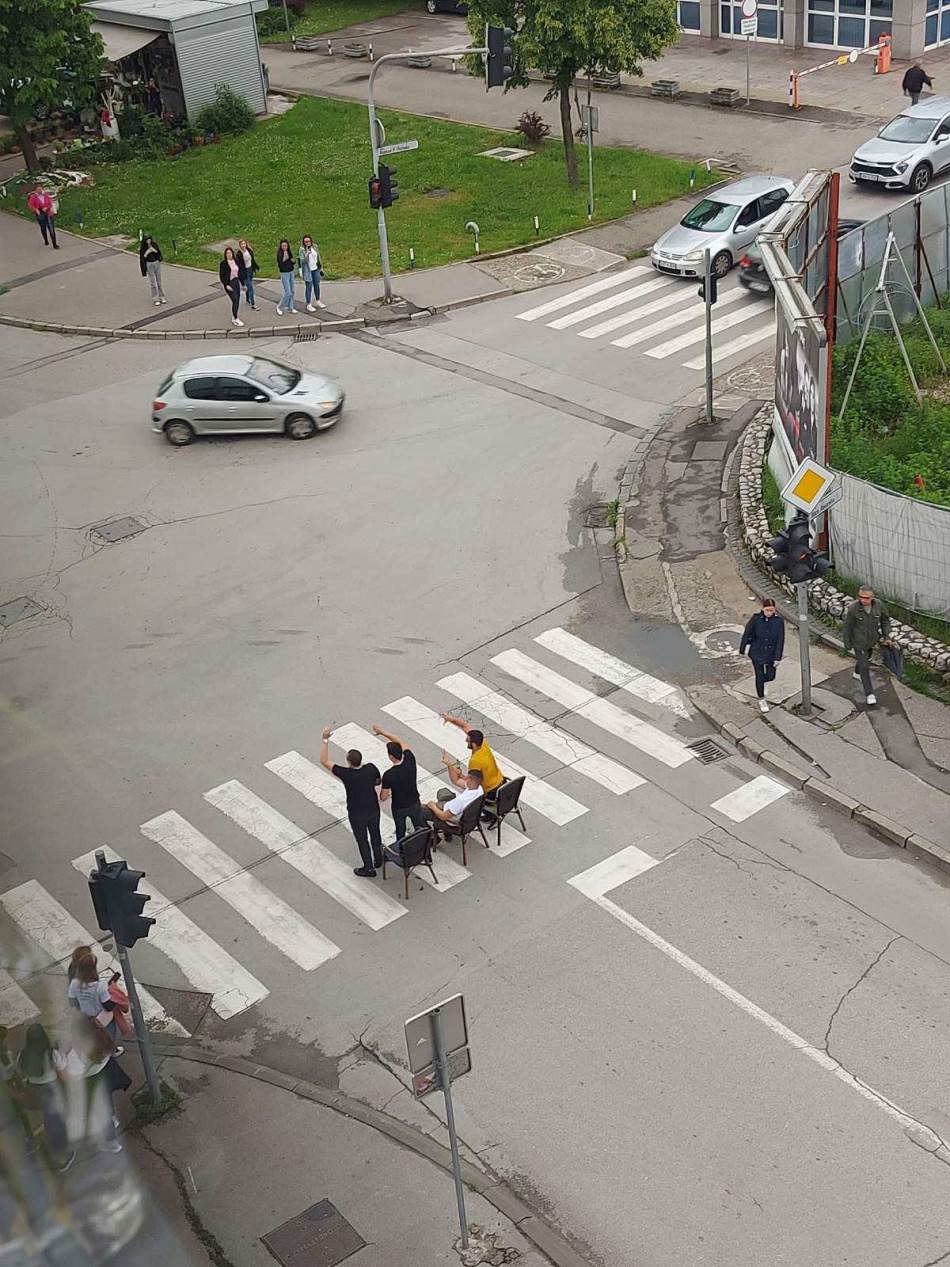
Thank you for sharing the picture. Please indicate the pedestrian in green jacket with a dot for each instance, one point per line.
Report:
(866, 623)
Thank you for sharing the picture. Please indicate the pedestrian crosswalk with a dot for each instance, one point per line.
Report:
(657, 304)
(325, 892)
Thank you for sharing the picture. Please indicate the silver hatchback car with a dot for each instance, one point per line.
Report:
(726, 222)
(228, 395)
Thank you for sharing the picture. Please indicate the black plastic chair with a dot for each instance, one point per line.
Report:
(414, 850)
(506, 801)
(469, 822)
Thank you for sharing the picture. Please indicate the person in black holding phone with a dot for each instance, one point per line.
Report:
(362, 803)
(232, 275)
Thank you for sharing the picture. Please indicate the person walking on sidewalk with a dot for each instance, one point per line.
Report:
(285, 267)
(866, 623)
(362, 803)
(231, 273)
(250, 268)
(764, 635)
(311, 270)
(150, 262)
(399, 782)
(913, 82)
(44, 208)
(38, 1064)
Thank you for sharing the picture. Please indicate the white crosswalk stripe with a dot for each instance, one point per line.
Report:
(612, 669)
(276, 922)
(541, 796)
(47, 924)
(16, 1007)
(592, 288)
(750, 798)
(563, 747)
(649, 739)
(312, 859)
(311, 780)
(447, 870)
(638, 305)
(201, 961)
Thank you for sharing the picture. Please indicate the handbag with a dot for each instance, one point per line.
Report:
(121, 1013)
(893, 660)
(104, 1018)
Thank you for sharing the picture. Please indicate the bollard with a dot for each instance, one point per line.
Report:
(412, 257)
(633, 196)
(329, 48)
(472, 227)
(174, 246)
(692, 178)
(454, 64)
(370, 52)
(537, 226)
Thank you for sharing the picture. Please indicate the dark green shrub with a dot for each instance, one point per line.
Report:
(227, 113)
(271, 21)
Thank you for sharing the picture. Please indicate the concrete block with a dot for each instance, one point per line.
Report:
(778, 765)
(236, 1064)
(504, 1200)
(882, 826)
(749, 748)
(927, 851)
(732, 731)
(828, 795)
(551, 1243)
(275, 1078)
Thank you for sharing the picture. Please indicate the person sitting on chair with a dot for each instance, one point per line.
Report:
(451, 809)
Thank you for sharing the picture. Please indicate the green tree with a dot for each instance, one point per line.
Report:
(567, 38)
(49, 54)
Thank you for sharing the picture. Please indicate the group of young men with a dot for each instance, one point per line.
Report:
(366, 789)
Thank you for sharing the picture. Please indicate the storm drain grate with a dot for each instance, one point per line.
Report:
(118, 529)
(707, 750)
(306, 336)
(320, 1237)
(600, 515)
(18, 609)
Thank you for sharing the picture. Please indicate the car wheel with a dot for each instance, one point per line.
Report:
(721, 263)
(300, 426)
(431, 6)
(179, 433)
(921, 178)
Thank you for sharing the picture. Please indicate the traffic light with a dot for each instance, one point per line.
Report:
(499, 65)
(388, 187)
(713, 288)
(794, 554)
(375, 193)
(117, 905)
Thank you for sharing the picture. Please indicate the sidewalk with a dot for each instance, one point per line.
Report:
(683, 562)
(287, 1152)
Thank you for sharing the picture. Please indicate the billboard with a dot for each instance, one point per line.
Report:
(801, 383)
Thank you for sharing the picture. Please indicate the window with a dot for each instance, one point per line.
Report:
(769, 15)
(710, 216)
(849, 23)
(749, 215)
(236, 389)
(200, 388)
(279, 378)
(687, 14)
(907, 130)
(772, 201)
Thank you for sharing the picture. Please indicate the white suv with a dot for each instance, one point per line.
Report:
(909, 151)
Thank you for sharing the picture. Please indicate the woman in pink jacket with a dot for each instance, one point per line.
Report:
(43, 207)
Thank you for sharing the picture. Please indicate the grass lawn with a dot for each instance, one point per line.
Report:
(307, 172)
(333, 15)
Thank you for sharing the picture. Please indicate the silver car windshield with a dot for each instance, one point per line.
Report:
(278, 378)
(907, 130)
(709, 216)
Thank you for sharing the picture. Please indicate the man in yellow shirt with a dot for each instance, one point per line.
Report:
(481, 758)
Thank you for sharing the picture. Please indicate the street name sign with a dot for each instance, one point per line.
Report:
(399, 147)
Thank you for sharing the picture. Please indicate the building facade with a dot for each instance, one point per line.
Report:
(913, 25)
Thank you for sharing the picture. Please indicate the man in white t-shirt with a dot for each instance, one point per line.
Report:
(451, 811)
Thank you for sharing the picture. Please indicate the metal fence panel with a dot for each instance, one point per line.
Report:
(896, 544)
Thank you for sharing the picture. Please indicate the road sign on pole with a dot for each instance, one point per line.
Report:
(437, 1043)
(398, 147)
(809, 485)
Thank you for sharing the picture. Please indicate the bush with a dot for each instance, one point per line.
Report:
(228, 113)
(532, 127)
(271, 21)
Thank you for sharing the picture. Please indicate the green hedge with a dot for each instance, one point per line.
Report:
(885, 436)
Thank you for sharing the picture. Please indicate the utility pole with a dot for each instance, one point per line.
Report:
(710, 298)
(803, 648)
(590, 150)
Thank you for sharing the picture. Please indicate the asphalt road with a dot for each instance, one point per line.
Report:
(655, 1040)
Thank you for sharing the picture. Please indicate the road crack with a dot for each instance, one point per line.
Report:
(851, 989)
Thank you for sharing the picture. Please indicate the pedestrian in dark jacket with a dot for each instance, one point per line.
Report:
(150, 262)
(286, 263)
(914, 80)
(232, 275)
(866, 623)
(764, 636)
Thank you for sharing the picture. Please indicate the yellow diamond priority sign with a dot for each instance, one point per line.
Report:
(808, 486)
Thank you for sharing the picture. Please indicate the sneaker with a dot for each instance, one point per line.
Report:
(856, 675)
(119, 1051)
(377, 862)
(163, 300)
(64, 1166)
(871, 699)
(55, 246)
(236, 321)
(763, 706)
(110, 1146)
(310, 308)
(158, 303)
(367, 872)
(320, 305)
(280, 311)
(256, 307)
(295, 311)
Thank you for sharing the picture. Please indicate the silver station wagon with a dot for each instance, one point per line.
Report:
(230, 395)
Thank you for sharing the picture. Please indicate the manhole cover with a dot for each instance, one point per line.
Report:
(320, 1237)
(707, 751)
(18, 609)
(540, 272)
(118, 529)
(721, 642)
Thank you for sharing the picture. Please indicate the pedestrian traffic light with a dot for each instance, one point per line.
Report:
(794, 554)
(499, 66)
(388, 187)
(375, 193)
(713, 288)
(117, 905)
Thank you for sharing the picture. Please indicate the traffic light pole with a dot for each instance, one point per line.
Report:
(804, 648)
(374, 142)
(138, 1020)
(707, 288)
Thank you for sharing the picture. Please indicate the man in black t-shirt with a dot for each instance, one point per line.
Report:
(399, 782)
(362, 805)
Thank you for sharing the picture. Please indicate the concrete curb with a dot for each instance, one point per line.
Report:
(528, 1222)
(825, 793)
(105, 332)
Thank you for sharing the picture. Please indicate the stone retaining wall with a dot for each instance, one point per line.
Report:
(821, 596)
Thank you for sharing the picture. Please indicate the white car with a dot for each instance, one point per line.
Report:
(909, 151)
(725, 222)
